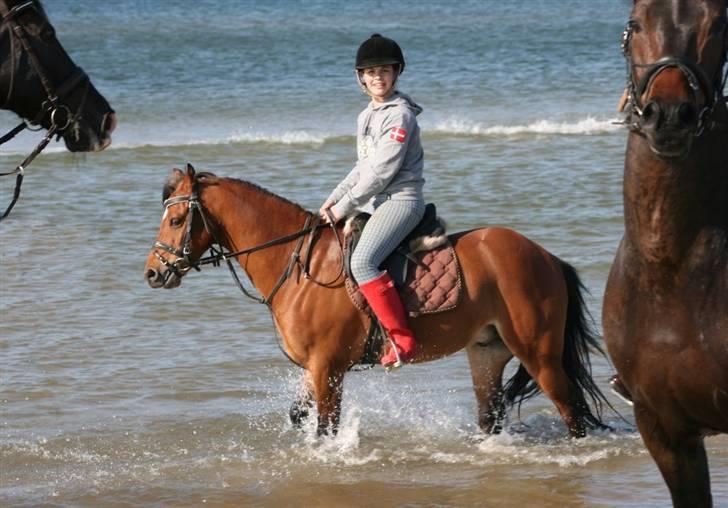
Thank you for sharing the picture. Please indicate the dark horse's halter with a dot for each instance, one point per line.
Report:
(184, 263)
(696, 76)
(61, 117)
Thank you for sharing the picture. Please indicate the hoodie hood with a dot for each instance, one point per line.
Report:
(398, 98)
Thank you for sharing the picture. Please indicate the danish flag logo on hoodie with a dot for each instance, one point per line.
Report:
(398, 134)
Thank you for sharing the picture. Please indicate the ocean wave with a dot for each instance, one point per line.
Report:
(586, 126)
(285, 138)
(450, 127)
(122, 142)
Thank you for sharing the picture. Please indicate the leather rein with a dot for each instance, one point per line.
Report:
(183, 262)
(697, 79)
(61, 117)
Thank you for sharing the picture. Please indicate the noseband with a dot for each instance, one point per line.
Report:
(697, 79)
(59, 114)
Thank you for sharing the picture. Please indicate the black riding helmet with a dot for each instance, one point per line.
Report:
(378, 50)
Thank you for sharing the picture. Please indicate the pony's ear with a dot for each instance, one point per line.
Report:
(190, 170)
(177, 175)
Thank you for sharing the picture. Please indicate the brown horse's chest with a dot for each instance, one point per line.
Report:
(652, 313)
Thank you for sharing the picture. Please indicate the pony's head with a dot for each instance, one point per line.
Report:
(40, 82)
(183, 234)
(675, 53)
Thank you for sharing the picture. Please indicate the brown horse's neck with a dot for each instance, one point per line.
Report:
(667, 204)
(246, 216)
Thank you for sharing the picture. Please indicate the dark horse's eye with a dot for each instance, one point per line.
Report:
(47, 33)
(719, 27)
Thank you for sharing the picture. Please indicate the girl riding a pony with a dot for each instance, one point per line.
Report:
(386, 182)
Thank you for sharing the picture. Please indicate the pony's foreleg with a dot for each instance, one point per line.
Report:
(681, 459)
(304, 400)
(328, 385)
(488, 357)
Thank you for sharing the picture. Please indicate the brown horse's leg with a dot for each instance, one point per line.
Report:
(488, 357)
(540, 352)
(328, 384)
(681, 459)
(552, 379)
(304, 400)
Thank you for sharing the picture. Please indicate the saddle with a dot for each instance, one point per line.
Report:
(424, 267)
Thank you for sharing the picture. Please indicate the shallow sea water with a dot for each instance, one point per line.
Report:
(112, 394)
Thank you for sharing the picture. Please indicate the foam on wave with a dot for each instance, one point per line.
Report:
(450, 127)
(586, 126)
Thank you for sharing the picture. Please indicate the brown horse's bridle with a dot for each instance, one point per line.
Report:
(698, 80)
(184, 263)
(61, 117)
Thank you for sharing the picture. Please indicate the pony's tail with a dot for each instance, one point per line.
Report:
(579, 338)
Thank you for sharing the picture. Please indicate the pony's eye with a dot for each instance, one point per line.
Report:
(176, 222)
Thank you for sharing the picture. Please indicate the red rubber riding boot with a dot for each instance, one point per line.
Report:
(384, 300)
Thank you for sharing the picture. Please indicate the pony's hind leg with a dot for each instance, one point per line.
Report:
(304, 400)
(488, 357)
(540, 352)
(553, 380)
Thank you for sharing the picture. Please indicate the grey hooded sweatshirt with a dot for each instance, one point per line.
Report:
(390, 158)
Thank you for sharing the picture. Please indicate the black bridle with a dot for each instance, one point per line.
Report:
(59, 114)
(698, 80)
(184, 263)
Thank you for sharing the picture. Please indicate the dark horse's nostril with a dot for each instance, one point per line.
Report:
(651, 113)
(687, 114)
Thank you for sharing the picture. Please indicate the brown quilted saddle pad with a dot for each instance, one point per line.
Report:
(432, 284)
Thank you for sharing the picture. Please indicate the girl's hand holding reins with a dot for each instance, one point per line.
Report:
(327, 213)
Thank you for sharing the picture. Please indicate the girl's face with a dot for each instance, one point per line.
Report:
(379, 81)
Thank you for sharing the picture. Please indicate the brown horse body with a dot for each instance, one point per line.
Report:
(665, 311)
(515, 302)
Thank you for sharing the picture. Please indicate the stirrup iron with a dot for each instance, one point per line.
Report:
(615, 389)
(398, 363)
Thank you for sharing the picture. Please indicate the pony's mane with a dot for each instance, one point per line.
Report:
(259, 189)
(208, 178)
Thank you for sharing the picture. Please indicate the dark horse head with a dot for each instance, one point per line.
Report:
(675, 54)
(40, 82)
